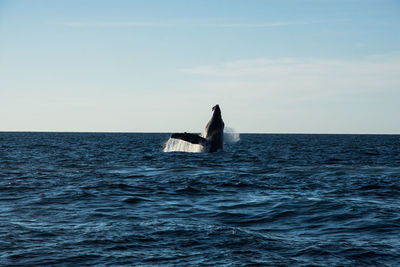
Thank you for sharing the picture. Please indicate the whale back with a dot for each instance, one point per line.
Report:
(214, 130)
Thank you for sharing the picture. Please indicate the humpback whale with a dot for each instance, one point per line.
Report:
(212, 138)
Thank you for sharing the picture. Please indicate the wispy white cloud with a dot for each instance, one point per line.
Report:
(182, 23)
(305, 74)
(320, 95)
(262, 25)
(115, 24)
(277, 82)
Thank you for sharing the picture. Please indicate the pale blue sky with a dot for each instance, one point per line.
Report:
(310, 66)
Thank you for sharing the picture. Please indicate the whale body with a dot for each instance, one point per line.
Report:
(212, 138)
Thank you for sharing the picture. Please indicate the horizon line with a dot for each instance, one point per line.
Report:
(168, 132)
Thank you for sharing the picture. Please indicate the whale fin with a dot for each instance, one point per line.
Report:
(191, 138)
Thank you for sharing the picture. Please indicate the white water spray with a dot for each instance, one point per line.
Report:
(231, 136)
(177, 145)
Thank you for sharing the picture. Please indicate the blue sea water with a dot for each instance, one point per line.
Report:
(116, 199)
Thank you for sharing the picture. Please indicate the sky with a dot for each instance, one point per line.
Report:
(310, 66)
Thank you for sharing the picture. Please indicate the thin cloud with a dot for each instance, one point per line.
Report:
(180, 23)
(319, 95)
(115, 24)
(304, 76)
(262, 25)
(263, 66)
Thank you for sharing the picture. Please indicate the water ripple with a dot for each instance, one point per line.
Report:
(269, 200)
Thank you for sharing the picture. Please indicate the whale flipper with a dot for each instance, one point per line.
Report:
(191, 138)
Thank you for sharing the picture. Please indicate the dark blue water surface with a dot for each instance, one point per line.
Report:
(84, 199)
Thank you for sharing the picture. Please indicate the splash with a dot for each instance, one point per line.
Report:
(177, 145)
(231, 136)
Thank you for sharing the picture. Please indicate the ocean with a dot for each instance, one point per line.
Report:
(117, 199)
